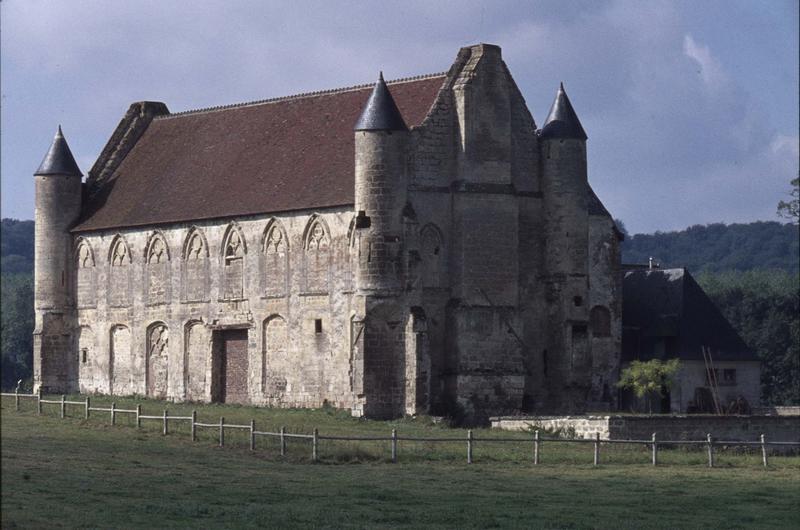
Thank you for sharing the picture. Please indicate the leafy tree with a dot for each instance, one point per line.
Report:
(648, 379)
(764, 307)
(791, 209)
(621, 227)
(16, 328)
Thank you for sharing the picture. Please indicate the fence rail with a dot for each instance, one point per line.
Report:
(537, 441)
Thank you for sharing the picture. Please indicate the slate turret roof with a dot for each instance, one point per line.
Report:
(285, 154)
(59, 159)
(562, 122)
(381, 112)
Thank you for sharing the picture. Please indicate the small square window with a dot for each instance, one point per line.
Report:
(729, 376)
(578, 301)
(318, 325)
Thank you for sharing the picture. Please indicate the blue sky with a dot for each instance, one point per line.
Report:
(691, 107)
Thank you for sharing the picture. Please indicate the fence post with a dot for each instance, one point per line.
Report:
(164, 430)
(536, 447)
(39, 401)
(113, 413)
(469, 446)
(596, 448)
(221, 431)
(138, 416)
(283, 441)
(86, 410)
(710, 450)
(16, 398)
(63, 406)
(194, 427)
(315, 445)
(252, 435)
(394, 446)
(764, 450)
(655, 450)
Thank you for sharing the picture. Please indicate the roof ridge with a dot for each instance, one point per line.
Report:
(301, 95)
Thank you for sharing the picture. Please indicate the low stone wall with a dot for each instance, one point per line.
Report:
(777, 411)
(666, 427)
(696, 427)
(569, 426)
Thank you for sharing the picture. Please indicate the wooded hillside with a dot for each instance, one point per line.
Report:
(718, 247)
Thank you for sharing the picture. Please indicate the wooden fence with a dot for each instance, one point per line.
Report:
(536, 440)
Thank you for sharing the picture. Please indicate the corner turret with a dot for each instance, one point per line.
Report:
(58, 206)
(562, 122)
(565, 193)
(381, 137)
(381, 112)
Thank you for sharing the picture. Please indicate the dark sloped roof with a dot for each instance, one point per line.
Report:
(668, 305)
(562, 121)
(380, 112)
(281, 155)
(59, 159)
(596, 206)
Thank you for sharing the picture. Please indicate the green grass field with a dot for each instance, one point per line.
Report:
(78, 473)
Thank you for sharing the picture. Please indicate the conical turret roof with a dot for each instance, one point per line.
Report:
(562, 122)
(381, 112)
(59, 159)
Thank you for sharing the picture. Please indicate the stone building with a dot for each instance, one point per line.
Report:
(408, 247)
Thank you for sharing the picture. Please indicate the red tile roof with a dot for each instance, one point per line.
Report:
(287, 154)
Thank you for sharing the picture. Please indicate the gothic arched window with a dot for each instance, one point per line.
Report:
(84, 265)
(194, 277)
(119, 273)
(432, 256)
(157, 261)
(157, 360)
(276, 261)
(233, 251)
(600, 320)
(317, 256)
(275, 364)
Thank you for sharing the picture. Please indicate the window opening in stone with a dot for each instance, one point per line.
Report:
(578, 301)
(729, 376)
(84, 352)
(318, 325)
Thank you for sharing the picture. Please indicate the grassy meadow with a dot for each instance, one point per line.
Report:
(78, 473)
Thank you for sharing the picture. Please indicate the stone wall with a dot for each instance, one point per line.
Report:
(297, 325)
(666, 427)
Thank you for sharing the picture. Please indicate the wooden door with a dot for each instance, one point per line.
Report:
(233, 365)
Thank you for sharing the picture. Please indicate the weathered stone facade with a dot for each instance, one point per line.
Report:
(470, 270)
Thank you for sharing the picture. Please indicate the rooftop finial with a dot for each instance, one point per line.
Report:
(59, 159)
(562, 122)
(381, 112)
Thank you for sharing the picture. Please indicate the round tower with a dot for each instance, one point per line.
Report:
(58, 205)
(565, 188)
(380, 191)
(566, 220)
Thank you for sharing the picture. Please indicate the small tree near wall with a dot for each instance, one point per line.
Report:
(648, 379)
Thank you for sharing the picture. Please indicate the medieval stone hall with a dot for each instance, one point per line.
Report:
(405, 247)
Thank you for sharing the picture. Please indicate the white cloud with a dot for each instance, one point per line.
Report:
(709, 68)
